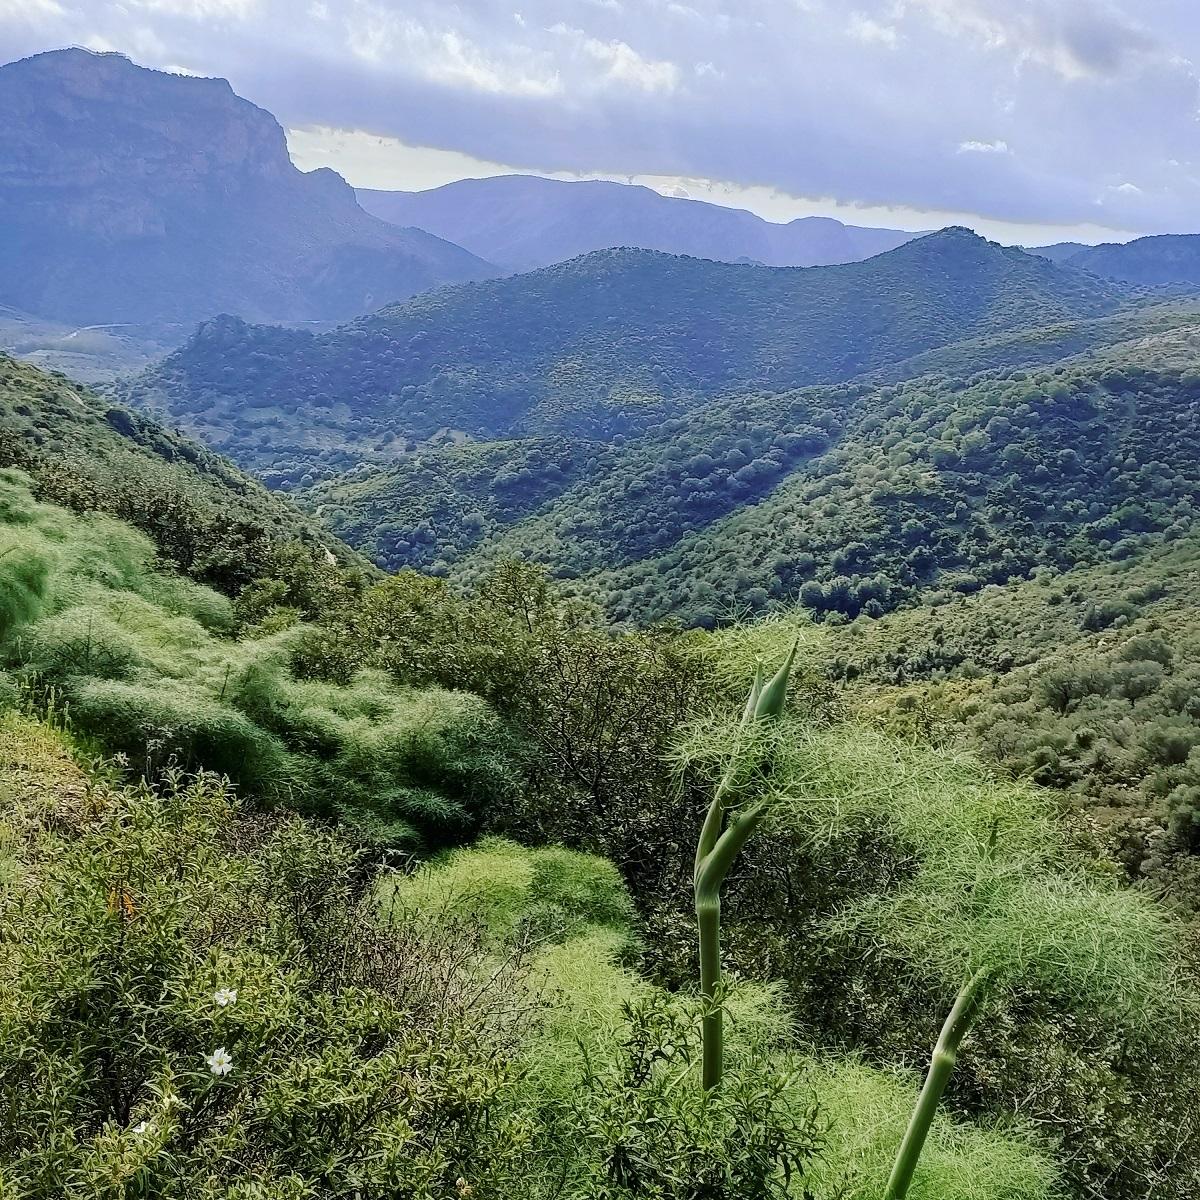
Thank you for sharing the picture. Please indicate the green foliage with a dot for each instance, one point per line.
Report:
(140, 659)
(650, 1130)
(603, 346)
(874, 899)
(206, 518)
(548, 894)
(155, 931)
(935, 488)
(867, 1110)
(616, 1065)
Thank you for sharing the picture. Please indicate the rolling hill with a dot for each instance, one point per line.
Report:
(130, 195)
(601, 347)
(525, 221)
(1171, 258)
(748, 500)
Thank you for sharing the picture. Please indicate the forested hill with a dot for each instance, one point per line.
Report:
(205, 517)
(852, 497)
(603, 345)
(1169, 258)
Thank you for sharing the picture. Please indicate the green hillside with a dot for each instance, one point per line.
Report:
(848, 498)
(945, 486)
(601, 346)
(209, 917)
(206, 517)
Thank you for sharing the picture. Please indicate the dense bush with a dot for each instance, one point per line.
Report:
(198, 1004)
(143, 663)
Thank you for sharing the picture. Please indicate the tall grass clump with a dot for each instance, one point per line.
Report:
(144, 664)
(612, 1064)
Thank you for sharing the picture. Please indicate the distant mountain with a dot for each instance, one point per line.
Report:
(1058, 252)
(602, 346)
(524, 221)
(1163, 259)
(129, 195)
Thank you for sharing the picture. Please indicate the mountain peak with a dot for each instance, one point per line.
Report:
(129, 194)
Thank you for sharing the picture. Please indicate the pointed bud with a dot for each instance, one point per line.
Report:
(773, 696)
(755, 692)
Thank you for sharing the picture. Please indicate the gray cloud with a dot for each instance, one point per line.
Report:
(1051, 111)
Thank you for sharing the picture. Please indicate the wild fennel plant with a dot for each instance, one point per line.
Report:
(718, 846)
(1013, 916)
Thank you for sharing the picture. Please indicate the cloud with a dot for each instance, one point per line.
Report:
(29, 11)
(199, 10)
(1076, 38)
(867, 29)
(445, 56)
(876, 106)
(622, 63)
(994, 147)
(625, 64)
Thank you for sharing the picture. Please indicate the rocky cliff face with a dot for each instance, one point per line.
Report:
(136, 195)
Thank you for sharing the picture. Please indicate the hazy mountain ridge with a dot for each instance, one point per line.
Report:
(1159, 260)
(130, 195)
(524, 222)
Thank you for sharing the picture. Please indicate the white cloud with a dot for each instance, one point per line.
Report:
(622, 63)
(627, 65)
(446, 56)
(867, 29)
(200, 10)
(29, 10)
(1077, 39)
(974, 147)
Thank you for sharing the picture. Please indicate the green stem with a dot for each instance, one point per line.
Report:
(710, 874)
(945, 1053)
(712, 1032)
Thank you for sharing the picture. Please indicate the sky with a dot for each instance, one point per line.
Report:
(1032, 121)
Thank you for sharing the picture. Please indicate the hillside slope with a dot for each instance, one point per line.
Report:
(602, 346)
(130, 195)
(524, 222)
(205, 516)
(939, 487)
(1169, 258)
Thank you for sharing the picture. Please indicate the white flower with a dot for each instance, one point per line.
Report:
(220, 1061)
(141, 1127)
(225, 997)
(169, 1099)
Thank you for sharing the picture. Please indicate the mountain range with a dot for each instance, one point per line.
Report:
(525, 221)
(136, 203)
(143, 197)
